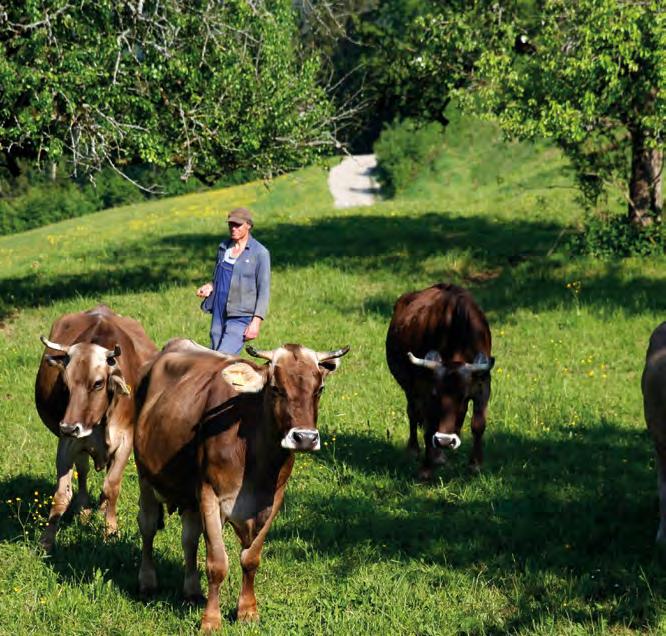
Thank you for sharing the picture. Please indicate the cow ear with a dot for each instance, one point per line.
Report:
(244, 378)
(118, 384)
(329, 366)
(57, 361)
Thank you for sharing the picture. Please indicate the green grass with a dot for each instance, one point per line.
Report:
(556, 535)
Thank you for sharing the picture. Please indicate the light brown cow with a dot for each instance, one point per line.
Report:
(653, 384)
(83, 393)
(215, 440)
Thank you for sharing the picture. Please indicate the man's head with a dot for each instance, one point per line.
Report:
(240, 223)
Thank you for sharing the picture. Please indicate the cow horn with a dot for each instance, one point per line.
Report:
(266, 355)
(481, 363)
(421, 362)
(54, 345)
(329, 355)
(113, 353)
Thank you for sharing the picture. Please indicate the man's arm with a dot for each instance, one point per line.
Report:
(263, 296)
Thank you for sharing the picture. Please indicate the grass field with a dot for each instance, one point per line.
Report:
(555, 536)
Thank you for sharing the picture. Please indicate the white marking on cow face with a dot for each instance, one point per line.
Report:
(78, 430)
(86, 375)
(302, 439)
(445, 440)
(277, 354)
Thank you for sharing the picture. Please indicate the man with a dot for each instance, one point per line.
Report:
(238, 294)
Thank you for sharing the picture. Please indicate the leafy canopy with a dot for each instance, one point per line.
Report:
(208, 86)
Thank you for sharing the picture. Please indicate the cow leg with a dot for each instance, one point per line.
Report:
(191, 520)
(149, 518)
(478, 427)
(63, 494)
(111, 487)
(661, 484)
(253, 542)
(413, 442)
(217, 561)
(429, 457)
(83, 501)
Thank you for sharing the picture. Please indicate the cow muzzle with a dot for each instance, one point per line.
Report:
(301, 439)
(444, 440)
(76, 430)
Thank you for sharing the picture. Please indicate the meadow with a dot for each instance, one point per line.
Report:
(556, 536)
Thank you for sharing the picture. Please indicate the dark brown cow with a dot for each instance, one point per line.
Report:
(438, 349)
(83, 393)
(653, 384)
(215, 439)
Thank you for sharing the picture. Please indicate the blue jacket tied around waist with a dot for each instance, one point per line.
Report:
(249, 290)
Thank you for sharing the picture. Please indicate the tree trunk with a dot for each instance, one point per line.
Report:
(645, 193)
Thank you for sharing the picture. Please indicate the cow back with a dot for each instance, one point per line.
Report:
(180, 392)
(444, 318)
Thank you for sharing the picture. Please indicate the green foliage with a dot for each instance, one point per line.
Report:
(209, 88)
(43, 204)
(404, 150)
(33, 199)
(610, 236)
(594, 82)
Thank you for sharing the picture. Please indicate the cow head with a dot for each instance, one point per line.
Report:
(93, 379)
(454, 384)
(294, 381)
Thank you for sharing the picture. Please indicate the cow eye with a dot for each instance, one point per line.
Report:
(277, 391)
(98, 385)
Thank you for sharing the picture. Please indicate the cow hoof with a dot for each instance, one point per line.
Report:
(147, 592)
(47, 540)
(46, 544)
(413, 451)
(475, 469)
(425, 474)
(438, 457)
(196, 600)
(111, 533)
(209, 624)
(247, 615)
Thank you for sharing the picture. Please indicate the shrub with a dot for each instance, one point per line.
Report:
(33, 199)
(404, 150)
(610, 235)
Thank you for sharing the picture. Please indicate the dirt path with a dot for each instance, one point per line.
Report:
(351, 182)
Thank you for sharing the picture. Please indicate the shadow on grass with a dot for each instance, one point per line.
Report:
(506, 262)
(81, 550)
(18, 509)
(579, 508)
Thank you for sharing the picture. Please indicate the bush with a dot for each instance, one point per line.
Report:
(33, 199)
(404, 150)
(605, 235)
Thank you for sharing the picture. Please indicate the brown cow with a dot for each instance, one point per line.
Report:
(438, 349)
(653, 384)
(215, 439)
(83, 393)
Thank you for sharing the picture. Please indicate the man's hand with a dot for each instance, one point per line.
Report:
(252, 330)
(205, 290)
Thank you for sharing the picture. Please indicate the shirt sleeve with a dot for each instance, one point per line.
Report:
(263, 283)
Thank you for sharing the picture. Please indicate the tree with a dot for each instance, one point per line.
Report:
(594, 80)
(207, 85)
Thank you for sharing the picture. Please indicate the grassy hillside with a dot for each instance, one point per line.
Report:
(556, 535)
